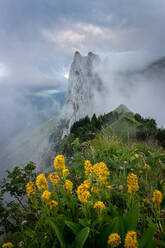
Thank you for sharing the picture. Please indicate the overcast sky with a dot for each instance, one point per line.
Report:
(38, 37)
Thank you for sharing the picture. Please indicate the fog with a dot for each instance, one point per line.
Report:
(21, 109)
(128, 79)
(124, 82)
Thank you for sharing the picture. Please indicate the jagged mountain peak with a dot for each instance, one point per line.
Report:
(90, 58)
(83, 82)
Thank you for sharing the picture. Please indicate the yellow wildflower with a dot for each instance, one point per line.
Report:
(82, 191)
(46, 196)
(157, 197)
(100, 206)
(30, 189)
(7, 245)
(54, 178)
(103, 180)
(132, 182)
(131, 240)
(109, 186)
(95, 189)
(65, 173)
(53, 204)
(68, 186)
(114, 239)
(83, 197)
(86, 183)
(59, 162)
(88, 167)
(101, 171)
(41, 182)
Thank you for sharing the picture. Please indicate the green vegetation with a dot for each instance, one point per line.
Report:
(120, 123)
(74, 223)
(109, 188)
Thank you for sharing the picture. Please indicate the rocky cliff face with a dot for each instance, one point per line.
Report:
(83, 83)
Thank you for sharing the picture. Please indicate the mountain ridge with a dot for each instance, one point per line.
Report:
(84, 82)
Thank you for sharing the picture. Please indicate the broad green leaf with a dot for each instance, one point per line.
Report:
(82, 237)
(83, 222)
(73, 226)
(131, 218)
(58, 233)
(147, 238)
(113, 226)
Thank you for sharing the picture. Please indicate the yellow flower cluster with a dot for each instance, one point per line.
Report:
(114, 239)
(54, 178)
(132, 182)
(59, 162)
(65, 173)
(30, 189)
(7, 245)
(131, 240)
(157, 197)
(53, 204)
(99, 205)
(41, 182)
(83, 191)
(88, 168)
(101, 171)
(68, 186)
(46, 196)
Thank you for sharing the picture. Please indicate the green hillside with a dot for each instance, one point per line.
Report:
(106, 188)
(120, 123)
(125, 127)
(106, 191)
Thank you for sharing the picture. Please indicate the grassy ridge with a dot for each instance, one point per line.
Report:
(90, 196)
(73, 223)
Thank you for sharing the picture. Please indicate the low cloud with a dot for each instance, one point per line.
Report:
(86, 37)
(125, 82)
(38, 39)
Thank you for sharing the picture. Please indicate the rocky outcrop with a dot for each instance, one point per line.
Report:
(83, 83)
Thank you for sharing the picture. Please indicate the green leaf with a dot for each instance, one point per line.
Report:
(82, 237)
(159, 242)
(73, 226)
(114, 226)
(147, 238)
(131, 218)
(83, 222)
(58, 233)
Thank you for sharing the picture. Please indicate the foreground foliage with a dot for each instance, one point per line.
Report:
(112, 195)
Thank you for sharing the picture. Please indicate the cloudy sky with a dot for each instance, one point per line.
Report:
(38, 39)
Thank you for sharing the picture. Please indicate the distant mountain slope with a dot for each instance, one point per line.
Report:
(27, 145)
(122, 109)
(158, 65)
(85, 92)
(121, 123)
(125, 127)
